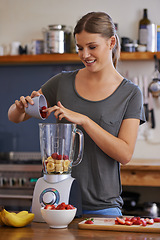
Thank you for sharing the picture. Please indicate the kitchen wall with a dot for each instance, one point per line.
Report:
(23, 20)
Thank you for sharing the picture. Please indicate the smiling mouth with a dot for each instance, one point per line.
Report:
(91, 61)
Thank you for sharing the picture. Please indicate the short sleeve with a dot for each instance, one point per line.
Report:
(49, 89)
(135, 107)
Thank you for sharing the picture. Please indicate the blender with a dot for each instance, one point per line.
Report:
(58, 143)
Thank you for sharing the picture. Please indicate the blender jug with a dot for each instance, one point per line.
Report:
(57, 143)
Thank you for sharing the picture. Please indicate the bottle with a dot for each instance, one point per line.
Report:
(143, 29)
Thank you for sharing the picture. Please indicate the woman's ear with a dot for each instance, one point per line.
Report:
(112, 42)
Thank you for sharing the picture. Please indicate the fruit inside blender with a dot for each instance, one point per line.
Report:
(57, 163)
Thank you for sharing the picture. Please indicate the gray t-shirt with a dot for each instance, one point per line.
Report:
(98, 174)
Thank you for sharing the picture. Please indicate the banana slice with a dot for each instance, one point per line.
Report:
(59, 167)
(49, 158)
(66, 165)
(50, 167)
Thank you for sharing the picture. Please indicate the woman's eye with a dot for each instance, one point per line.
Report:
(92, 47)
(79, 48)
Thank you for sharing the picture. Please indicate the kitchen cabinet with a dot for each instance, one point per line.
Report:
(141, 172)
(70, 58)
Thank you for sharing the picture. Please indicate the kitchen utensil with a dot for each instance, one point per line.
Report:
(154, 86)
(145, 94)
(57, 143)
(109, 224)
(58, 218)
(34, 110)
(151, 111)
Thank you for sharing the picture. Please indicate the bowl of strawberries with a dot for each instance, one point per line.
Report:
(58, 216)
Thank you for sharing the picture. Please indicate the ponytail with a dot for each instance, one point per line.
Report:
(116, 51)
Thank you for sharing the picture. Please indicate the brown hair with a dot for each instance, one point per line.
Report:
(101, 23)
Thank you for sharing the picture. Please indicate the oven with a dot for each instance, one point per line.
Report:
(19, 172)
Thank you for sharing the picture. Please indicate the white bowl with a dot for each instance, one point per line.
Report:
(58, 218)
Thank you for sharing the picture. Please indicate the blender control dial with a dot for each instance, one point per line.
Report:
(49, 196)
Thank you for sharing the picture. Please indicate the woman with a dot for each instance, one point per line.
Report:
(107, 107)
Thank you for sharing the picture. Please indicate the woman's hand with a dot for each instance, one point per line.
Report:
(23, 102)
(16, 112)
(61, 112)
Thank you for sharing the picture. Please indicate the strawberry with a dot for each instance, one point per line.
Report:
(61, 206)
(149, 220)
(54, 155)
(143, 222)
(69, 207)
(120, 220)
(59, 157)
(127, 219)
(133, 219)
(43, 114)
(128, 223)
(156, 219)
(89, 221)
(49, 207)
(65, 157)
(137, 222)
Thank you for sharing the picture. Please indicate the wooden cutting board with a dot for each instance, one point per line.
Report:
(109, 224)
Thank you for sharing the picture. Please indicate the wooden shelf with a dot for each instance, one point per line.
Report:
(69, 58)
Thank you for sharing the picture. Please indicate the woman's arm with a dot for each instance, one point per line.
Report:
(16, 112)
(120, 148)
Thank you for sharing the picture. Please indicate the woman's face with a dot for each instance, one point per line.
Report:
(94, 50)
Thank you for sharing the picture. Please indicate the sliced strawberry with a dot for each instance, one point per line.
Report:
(143, 222)
(69, 207)
(156, 219)
(133, 219)
(116, 221)
(120, 220)
(137, 222)
(128, 223)
(49, 207)
(127, 218)
(149, 220)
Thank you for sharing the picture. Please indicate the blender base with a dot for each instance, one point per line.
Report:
(67, 191)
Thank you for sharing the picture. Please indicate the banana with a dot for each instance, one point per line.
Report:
(22, 213)
(17, 220)
(3, 217)
(1, 222)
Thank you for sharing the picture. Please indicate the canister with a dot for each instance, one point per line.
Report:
(57, 39)
(152, 38)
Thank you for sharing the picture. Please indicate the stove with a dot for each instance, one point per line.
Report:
(19, 172)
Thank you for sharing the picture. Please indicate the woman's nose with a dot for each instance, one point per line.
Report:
(85, 53)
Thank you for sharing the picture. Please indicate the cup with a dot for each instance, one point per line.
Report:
(15, 48)
(35, 109)
(37, 47)
(1, 50)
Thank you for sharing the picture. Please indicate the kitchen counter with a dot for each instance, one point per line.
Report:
(41, 231)
(141, 172)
